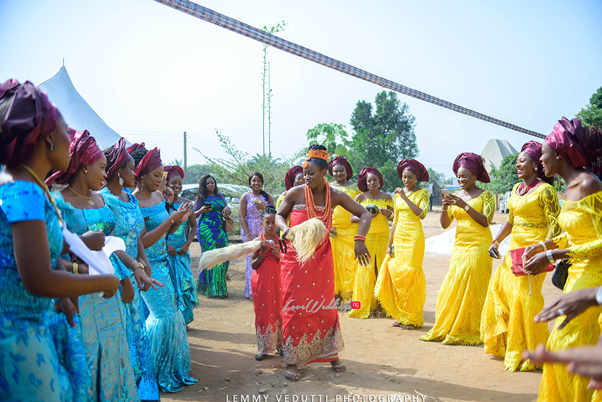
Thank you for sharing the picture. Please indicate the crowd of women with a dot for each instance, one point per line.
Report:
(69, 335)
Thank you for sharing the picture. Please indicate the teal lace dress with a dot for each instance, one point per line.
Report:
(103, 320)
(211, 235)
(165, 326)
(129, 225)
(181, 275)
(41, 356)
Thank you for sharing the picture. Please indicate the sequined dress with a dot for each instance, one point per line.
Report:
(128, 226)
(462, 293)
(103, 320)
(165, 326)
(181, 276)
(507, 326)
(36, 362)
(377, 240)
(253, 218)
(401, 285)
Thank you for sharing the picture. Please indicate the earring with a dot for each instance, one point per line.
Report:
(52, 147)
(558, 157)
(120, 180)
(86, 170)
(536, 168)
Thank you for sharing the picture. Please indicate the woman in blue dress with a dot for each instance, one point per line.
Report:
(210, 208)
(33, 141)
(103, 320)
(177, 249)
(165, 326)
(129, 225)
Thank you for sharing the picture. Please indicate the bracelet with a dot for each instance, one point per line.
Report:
(75, 267)
(542, 244)
(138, 265)
(599, 296)
(550, 256)
(497, 244)
(360, 238)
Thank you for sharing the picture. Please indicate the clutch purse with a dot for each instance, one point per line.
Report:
(518, 263)
(373, 209)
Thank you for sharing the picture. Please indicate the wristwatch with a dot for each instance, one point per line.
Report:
(599, 296)
(550, 256)
(467, 207)
(75, 267)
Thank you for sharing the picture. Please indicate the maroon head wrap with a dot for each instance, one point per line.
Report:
(472, 162)
(289, 179)
(135, 147)
(173, 171)
(340, 160)
(533, 149)
(421, 173)
(29, 119)
(570, 140)
(84, 151)
(150, 162)
(117, 157)
(363, 177)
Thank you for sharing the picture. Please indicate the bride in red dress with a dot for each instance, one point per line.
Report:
(310, 320)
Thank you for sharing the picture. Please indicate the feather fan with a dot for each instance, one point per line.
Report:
(211, 258)
(306, 237)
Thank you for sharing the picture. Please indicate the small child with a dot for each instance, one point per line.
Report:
(266, 287)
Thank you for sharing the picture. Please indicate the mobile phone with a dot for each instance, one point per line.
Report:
(392, 251)
(445, 193)
(164, 175)
(495, 254)
(207, 204)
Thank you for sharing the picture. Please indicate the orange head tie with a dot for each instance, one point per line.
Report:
(315, 153)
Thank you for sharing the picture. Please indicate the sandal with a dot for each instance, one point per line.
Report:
(260, 356)
(407, 327)
(280, 352)
(339, 368)
(291, 376)
(397, 324)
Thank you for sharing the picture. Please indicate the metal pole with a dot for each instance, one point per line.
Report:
(185, 157)
(269, 113)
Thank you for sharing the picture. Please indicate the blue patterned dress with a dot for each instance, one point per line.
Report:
(129, 226)
(165, 326)
(181, 276)
(103, 320)
(41, 359)
(211, 235)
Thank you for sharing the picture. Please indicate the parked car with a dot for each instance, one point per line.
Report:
(231, 192)
(504, 203)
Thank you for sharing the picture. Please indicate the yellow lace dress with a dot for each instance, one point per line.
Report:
(582, 223)
(462, 293)
(401, 285)
(507, 326)
(377, 241)
(343, 247)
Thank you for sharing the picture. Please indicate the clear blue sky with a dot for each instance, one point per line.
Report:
(152, 72)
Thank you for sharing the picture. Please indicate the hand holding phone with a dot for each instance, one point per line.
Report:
(444, 193)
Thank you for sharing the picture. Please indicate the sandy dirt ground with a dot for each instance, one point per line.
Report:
(381, 360)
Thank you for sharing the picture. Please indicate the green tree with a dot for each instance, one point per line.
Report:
(195, 172)
(503, 179)
(591, 115)
(177, 162)
(383, 137)
(333, 136)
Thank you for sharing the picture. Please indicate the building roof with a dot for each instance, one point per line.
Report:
(495, 151)
(78, 114)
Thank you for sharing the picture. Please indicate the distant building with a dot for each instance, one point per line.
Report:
(495, 151)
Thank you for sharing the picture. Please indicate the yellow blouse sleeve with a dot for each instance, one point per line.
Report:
(548, 199)
(423, 203)
(593, 248)
(395, 210)
(510, 219)
(488, 206)
(279, 201)
(561, 240)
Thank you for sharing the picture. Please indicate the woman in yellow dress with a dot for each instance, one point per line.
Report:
(569, 151)
(343, 231)
(462, 293)
(401, 285)
(294, 177)
(507, 326)
(380, 205)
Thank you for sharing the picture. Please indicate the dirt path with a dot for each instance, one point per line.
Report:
(380, 360)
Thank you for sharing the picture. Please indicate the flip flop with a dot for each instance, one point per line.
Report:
(291, 376)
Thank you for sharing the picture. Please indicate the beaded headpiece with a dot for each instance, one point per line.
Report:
(316, 153)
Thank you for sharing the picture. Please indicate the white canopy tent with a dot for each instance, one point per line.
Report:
(76, 111)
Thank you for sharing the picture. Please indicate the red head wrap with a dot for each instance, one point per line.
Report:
(570, 141)
(363, 177)
(84, 151)
(472, 162)
(173, 171)
(150, 162)
(135, 147)
(117, 157)
(533, 149)
(340, 160)
(29, 119)
(421, 173)
(289, 179)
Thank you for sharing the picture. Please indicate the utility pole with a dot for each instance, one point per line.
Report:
(185, 158)
(269, 114)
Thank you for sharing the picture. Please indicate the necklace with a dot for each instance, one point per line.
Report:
(82, 196)
(326, 217)
(521, 190)
(46, 192)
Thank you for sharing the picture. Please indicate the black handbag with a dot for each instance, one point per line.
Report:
(561, 273)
